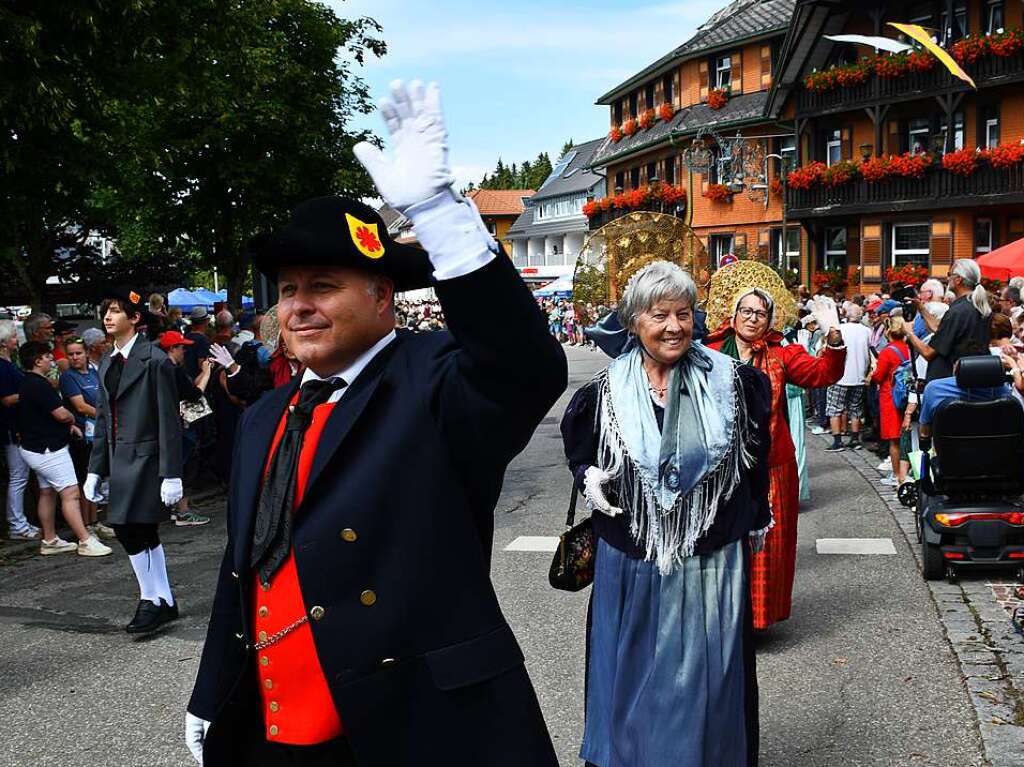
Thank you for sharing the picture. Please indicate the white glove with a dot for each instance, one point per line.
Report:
(171, 491)
(757, 541)
(825, 313)
(195, 734)
(221, 355)
(91, 489)
(593, 478)
(419, 143)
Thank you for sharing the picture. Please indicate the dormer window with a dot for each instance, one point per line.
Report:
(723, 71)
(649, 96)
(666, 88)
(632, 105)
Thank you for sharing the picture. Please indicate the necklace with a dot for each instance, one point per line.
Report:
(656, 390)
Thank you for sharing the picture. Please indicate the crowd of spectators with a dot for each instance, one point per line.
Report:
(899, 341)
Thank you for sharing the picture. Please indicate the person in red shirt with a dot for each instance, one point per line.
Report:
(892, 421)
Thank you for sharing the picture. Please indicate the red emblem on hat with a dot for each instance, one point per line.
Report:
(134, 297)
(368, 239)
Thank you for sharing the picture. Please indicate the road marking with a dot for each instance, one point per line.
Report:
(855, 546)
(547, 543)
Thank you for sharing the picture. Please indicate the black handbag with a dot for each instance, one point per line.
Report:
(572, 568)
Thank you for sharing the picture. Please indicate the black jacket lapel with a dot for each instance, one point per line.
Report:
(349, 408)
(135, 365)
(260, 427)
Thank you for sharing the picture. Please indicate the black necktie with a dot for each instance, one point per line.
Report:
(272, 535)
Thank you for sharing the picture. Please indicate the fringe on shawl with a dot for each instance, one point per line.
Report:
(670, 535)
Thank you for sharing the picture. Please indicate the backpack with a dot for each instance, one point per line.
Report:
(903, 380)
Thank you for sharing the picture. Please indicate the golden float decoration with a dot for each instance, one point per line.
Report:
(731, 281)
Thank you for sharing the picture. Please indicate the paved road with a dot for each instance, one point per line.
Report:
(861, 675)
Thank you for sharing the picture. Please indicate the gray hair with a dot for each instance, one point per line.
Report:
(855, 313)
(658, 281)
(93, 336)
(937, 309)
(224, 319)
(969, 271)
(8, 330)
(934, 286)
(33, 322)
(1017, 282)
(765, 298)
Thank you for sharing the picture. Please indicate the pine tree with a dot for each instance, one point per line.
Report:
(566, 147)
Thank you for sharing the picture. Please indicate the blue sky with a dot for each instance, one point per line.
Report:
(518, 78)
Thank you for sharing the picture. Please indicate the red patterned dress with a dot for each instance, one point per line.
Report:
(772, 571)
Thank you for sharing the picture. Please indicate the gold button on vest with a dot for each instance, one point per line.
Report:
(317, 612)
(368, 598)
(349, 535)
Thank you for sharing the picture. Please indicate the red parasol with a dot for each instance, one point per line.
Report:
(1004, 262)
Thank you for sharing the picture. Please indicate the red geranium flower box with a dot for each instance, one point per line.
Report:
(718, 193)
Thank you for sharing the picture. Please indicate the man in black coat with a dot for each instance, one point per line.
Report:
(354, 621)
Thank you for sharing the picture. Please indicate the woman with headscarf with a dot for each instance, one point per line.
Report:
(669, 443)
(749, 334)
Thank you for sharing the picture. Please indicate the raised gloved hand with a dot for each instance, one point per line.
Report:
(418, 169)
(221, 356)
(171, 491)
(593, 479)
(92, 490)
(195, 734)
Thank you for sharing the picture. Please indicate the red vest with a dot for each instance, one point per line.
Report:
(297, 705)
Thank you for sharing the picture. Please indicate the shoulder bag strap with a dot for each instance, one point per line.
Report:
(570, 518)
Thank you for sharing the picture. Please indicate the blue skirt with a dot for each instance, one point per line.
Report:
(667, 675)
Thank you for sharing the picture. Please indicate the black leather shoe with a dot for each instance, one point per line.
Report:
(148, 617)
(170, 611)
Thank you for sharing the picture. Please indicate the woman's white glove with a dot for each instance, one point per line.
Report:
(221, 356)
(418, 169)
(195, 734)
(171, 491)
(92, 490)
(593, 479)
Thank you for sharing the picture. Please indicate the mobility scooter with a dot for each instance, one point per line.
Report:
(970, 511)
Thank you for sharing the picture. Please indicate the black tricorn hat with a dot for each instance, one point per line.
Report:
(130, 300)
(337, 231)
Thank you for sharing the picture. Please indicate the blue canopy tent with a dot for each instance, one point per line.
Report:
(560, 287)
(185, 300)
(211, 297)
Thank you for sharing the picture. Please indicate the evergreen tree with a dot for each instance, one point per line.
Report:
(566, 147)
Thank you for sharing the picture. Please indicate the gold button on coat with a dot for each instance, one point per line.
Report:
(234, 575)
(264, 661)
(348, 534)
(317, 612)
(368, 598)
(265, 586)
(274, 706)
(269, 684)
(264, 612)
(273, 729)
(263, 636)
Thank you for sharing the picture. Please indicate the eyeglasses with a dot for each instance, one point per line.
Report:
(746, 313)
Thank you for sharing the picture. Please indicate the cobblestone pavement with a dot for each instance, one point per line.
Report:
(975, 612)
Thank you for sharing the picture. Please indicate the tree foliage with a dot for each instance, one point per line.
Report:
(529, 175)
(185, 129)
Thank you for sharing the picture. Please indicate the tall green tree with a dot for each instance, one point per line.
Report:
(249, 114)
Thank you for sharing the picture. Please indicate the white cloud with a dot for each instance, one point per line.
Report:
(466, 173)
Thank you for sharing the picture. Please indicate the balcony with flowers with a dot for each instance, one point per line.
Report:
(908, 182)
(657, 197)
(889, 78)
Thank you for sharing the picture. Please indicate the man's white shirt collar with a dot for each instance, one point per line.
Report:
(352, 372)
(125, 350)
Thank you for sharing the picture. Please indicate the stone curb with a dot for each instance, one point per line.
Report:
(978, 629)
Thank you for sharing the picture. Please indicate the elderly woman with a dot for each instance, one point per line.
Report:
(747, 335)
(96, 345)
(677, 434)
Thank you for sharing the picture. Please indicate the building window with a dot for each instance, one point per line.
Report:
(652, 171)
(791, 258)
(618, 113)
(492, 227)
(835, 247)
(910, 244)
(989, 124)
(994, 17)
(632, 105)
(620, 181)
(982, 236)
(958, 130)
(667, 83)
(951, 33)
(634, 178)
(917, 135)
(649, 95)
(718, 168)
(670, 170)
(723, 71)
(833, 147)
(719, 245)
(787, 150)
